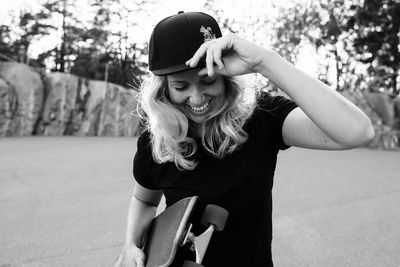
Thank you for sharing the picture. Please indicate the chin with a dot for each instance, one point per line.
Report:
(196, 119)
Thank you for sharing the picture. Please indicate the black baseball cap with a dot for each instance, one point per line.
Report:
(176, 38)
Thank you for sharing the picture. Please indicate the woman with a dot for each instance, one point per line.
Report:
(204, 139)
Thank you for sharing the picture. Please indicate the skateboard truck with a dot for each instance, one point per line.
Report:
(199, 243)
(173, 226)
(214, 217)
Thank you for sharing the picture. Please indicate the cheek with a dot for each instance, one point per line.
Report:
(219, 88)
(176, 97)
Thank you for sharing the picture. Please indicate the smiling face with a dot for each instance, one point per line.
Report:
(198, 97)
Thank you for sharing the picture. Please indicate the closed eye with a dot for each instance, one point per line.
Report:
(180, 88)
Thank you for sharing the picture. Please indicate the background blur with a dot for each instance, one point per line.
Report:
(71, 70)
(72, 67)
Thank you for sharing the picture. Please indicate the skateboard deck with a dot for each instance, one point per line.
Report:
(167, 232)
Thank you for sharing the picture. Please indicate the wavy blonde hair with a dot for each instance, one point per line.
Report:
(223, 132)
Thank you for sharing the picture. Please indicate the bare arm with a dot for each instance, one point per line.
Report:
(325, 119)
(142, 209)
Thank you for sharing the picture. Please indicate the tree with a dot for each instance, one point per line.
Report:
(377, 25)
(31, 28)
(107, 53)
(127, 67)
(92, 52)
(322, 24)
(28, 28)
(292, 26)
(71, 29)
(6, 52)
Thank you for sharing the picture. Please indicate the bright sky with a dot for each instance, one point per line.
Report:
(238, 9)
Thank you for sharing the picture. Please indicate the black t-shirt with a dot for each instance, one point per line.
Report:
(241, 183)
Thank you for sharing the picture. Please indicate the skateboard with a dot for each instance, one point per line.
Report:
(171, 229)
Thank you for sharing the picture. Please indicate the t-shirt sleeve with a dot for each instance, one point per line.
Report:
(141, 160)
(279, 107)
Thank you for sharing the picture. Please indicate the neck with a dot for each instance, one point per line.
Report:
(196, 129)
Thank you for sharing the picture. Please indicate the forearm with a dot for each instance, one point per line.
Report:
(331, 112)
(140, 215)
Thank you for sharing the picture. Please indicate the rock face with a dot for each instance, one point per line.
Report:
(8, 104)
(383, 106)
(384, 113)
(61, 91)
(37, 103)
(117, 112)
(21, 99)
(54, 104)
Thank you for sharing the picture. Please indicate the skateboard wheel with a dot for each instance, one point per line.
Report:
(191, 264)
(216, 216)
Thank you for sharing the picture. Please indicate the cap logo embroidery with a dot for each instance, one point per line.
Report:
(207, 32)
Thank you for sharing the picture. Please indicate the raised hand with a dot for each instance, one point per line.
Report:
(229, 55)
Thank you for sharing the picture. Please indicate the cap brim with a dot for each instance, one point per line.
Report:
(177, 68)
(171, 70)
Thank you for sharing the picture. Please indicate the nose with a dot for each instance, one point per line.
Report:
(196, 96)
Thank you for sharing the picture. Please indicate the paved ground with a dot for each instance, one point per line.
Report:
(63, 202)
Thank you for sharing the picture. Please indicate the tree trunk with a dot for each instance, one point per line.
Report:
(396, 90)
(338, 69)
(62, 50)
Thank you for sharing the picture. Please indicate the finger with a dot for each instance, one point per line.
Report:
(139, 263)
(140, 259)
(202, 72)
(119, 260)
(198, 55)
(210, 62)
(217, 59)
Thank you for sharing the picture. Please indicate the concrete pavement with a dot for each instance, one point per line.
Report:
(63, 202)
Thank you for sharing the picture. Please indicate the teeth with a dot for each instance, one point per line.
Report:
(200, 109)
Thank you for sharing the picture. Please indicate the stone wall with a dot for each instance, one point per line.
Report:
(384, 112)
(21, 99)
(52, 104)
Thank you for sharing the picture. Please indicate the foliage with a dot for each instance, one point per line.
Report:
(376, 29)
(14, 44)
(6, 50)
(70, 28)
(323, 25)
(355, 38)
(355, 35)
(115, 61)
(86, 48)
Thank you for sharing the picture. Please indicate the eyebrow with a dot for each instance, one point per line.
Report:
(185, 81)
(177, 81)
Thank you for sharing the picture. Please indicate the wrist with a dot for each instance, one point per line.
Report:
(268, 60)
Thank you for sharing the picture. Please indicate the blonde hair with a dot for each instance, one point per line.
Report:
(223, 132)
